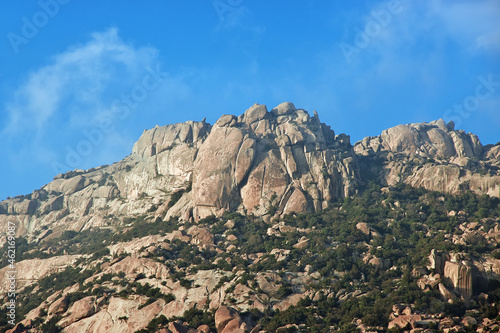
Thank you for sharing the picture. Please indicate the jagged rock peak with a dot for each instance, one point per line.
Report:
(262, 159)
(434, 156)
(257, 118)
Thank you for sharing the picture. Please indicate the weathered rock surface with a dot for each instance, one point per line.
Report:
(59, 306)
(80, 309)
(283, 158)
(432, 155)
(460, 276)
(227, 319)
(30, 271)
(447, 295)
(267, 163)
(405, 322)
(283, 161)
(121, 315)
(461, 271)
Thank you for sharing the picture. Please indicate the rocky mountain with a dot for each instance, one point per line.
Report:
(264, 220)
(263, 163)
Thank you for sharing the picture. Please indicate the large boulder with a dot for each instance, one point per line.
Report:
(224, 315)
(460, 276)
(80, 309)
(59, 306)
(201, 237)
(405, 322)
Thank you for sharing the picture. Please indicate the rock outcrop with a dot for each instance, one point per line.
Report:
(462, 272)
(431, 155)
(80, 309)
(460, 276)
(228, 320)
(30, 271)
(283, 159)
(139, 262)
(265, 163)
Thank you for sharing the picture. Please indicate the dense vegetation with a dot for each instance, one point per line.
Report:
(408, 222)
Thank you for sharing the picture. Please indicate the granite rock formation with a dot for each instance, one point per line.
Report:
(431, 155)
(267, 163)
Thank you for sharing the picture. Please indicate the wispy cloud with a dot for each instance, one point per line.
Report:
(420, 32)
(76, 82)
(48, 113)
(416, 63)
(473, 23)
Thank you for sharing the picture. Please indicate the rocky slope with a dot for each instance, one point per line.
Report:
(283, 158)
(162, 280)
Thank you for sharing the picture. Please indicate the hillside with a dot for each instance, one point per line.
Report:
(261, 221)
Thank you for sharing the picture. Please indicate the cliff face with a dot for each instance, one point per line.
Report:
(467, 276)
(161, 163)
(136, 265)
(283, 160)
(263, 162)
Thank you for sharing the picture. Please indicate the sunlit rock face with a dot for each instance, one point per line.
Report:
(264, 162)
(283, 161)
(434, 156)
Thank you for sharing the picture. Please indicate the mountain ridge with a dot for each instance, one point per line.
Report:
(267, 163)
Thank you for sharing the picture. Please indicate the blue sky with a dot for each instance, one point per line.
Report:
(81, 80)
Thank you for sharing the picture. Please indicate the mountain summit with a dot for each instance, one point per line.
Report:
(266, 163)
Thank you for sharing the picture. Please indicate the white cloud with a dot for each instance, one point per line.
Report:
(416, 40)
(474, 23)
(55, 105)
(421, 30)
(77, 82)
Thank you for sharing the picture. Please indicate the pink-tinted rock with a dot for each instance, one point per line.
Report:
(223, 316)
